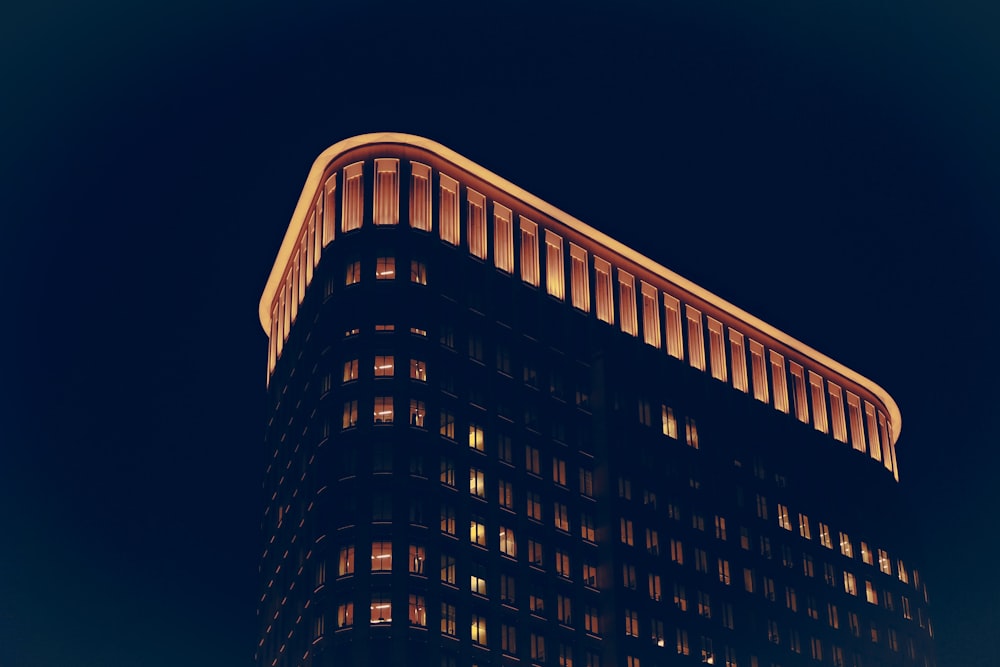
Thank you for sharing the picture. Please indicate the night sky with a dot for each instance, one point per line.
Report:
(833, 168)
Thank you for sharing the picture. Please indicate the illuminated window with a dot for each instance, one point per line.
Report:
(779, 381)
(554, 267)
(418, 413)
(352, 275)
(562, 564)
(383, 411)
(448, 625)
(675, 339)
(824, 536)
(345, 615)
(816, 648)
(680, 599)
(870, 595)
(783, 519)
(717, 350)
(535, 553)
(448, 525)
(837, 412)
(652, 542)
(901, 572)
(650, 315)
(508, 543)
(418, 273)
(804, 529)
(724, 571)
(850, 584)
(477, 224)
(508, 639)
(503, 239)
(532, 460)
(602, 288)
(529, 252)
(857, 426)
(720, 528)
(626, 303)
(418, 611)
(559, 471)
(704, 604)
(350, 418)
(534, 506)
(682, 642)
(477, 483)
(759, 371)
(420, 196)
(329, 209)
(846, 548)
(345, 562)
(386, 191)
(668, 420)
(537, 647)
(448, 210)
(696, 339)
(591, 620)
(477, 580)
(417, 559)
(631, 623)
(578, 275)
(626, 531)
(586, 483)
(447, 425)
(477, 440)
(350, 370)
(478, 629)
(676, 551)
(353, 210)
(800, 393)
(381, 556)
(477, 532)
(875, 449)
(384, 365)
(691, 432)
(818, 403)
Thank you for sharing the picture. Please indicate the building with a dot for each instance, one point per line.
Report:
(498, 436)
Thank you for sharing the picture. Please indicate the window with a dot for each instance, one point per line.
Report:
(816, 648)
(818, 403)
(669, 421)
(345, 615)
(350, 370)
(448, 569)
(477, 483)
(824, 536)
(536, 604)
(476, 224)
(535, 554)
(554, 267)
(724, 571)
(561, 516)
(503, 239)
(386, 191)
(418, 273)
(680, 599)
(448, 625)
(417, 559)
(870, 595)
(564, 609)
(799, 386)
(537, 647)
(579, 281)
(682, 642)
(676, 551)
(329, 209)
(650, 315)
(628, 576)
(384, 365)
(696, 339)
(837, 412)
(783, 520)
(448, 526)
(529, 251)
(477, 440)
(562, 564)
(631, 623)
(508, 588)
(586, 483)
(779, 381)
(602, 289)
(448, 228)
(383, 411)
(506, 495)
(846, 548)
(857, 426)
(804, 529)
(447, 425)
(704, 604)
(418, 611)
(381, 556)
(655, 588)
(508, 639)
(759, 371)
(884, 564)
(559, 471)
(508, 545)
(626, 531)
(691, 432)
(350, 417)
(591, 620)
(477, 580)
(626, 303)
(477, 532)
(420, 196)
(532, 460)
(652, 542)
(850, 584)
(352, 273)
(700, 560)
(717, 350)
(534, 506)
(345, 562)
(353, 209)
(381, 609)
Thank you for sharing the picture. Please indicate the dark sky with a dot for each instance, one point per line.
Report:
(830, 167)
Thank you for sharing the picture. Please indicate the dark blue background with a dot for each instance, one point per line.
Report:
(829, 167)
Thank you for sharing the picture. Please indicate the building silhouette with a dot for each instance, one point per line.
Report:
(497, 436)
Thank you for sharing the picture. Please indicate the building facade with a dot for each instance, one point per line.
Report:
(497, 436)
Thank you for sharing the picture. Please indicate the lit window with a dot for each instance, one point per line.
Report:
(652, 542)
(447, 425)
(534, 506)
(503, 239)
(818, 402)
(448, 569)
(418, 611)
(532, 462)
(602, 288)
(591, 620)
(477, 483)
(783, 519)
(477, 532)
(628, 576)
(837, 412)
(350, 370)
(383, 411)
(535, 553)
(779, 381)
(386, 191)
(384, 365)
(626, 303)
(804, 529)
(857, 426)
(417, 559)
(345, 562)
(676, 551)
(345, 615)
(824, 536)
(696, 339)
(669, 421)
(385, 268)
(586, 483)
(562, 564)
(850, 584)
(625, 526)
(350, 418)
(631, 623)
(561, 517)
(329, 209)
(418, 273)
(720, 528)
(479, 629)
(381, 556)
(800, 393)
(381, 609)
(724, 571)
(508, 639)
(559, 471)
(650, 315)
(353, 209)
(682, 642)
(554, 268)
(759, 372)
(680, 599)
(448, 626)
(875, 449)
(691, 432)
(448, 212)
(477, 580)
(448, 525)
(420, 196)
(846, 548)
(870, 595)
(508, 544)
(717, 350)
(476, 223)
(477, 440)
(590, 575)
(352, 275)
(529, 251)
(537, 647)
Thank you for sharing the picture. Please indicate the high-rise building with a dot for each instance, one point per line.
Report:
(496, 436)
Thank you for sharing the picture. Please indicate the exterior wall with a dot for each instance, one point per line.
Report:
(649, 474)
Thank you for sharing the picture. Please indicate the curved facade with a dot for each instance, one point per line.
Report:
(654, 475)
